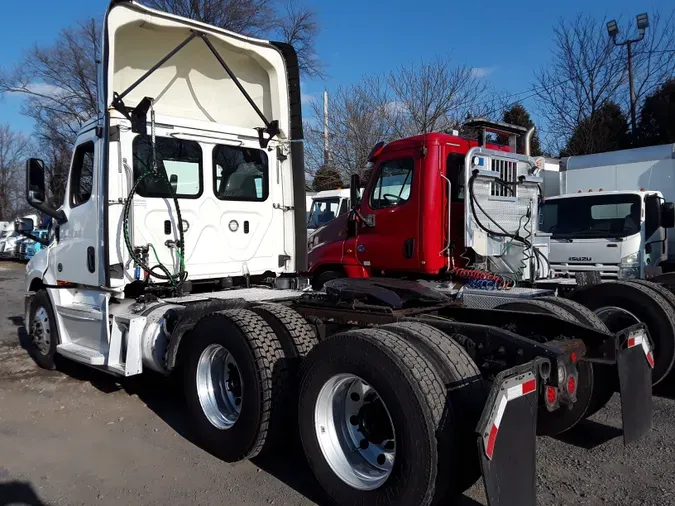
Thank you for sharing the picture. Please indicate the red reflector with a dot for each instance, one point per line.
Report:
(650, 359)
(63, 283)
(571, 384)
(551, 395)
(491, 442)
(529, 386)
(631, 342)
(574, 357)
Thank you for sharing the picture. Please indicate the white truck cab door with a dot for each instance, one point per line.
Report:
(73, 256)
(225, 194)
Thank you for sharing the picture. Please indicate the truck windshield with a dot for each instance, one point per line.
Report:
(323, 211)
(592, 216)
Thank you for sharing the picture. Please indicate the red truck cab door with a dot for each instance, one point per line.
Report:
(392, 197)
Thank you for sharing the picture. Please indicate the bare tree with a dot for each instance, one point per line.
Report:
(14, 148)
(248, 17)
(584, 74)
(59, 83)
(355, 126)
(299, 28)
(432, 96)
(654, 57)
(292, 23)
(423, 97)
(587, 71)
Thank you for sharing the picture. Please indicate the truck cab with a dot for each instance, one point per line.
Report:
(618, 234)
(173, 173)
(415, 199)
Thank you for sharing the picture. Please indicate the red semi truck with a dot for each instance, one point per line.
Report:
(411, 232)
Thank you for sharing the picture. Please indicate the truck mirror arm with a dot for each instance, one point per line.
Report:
(44, 242)
(59, 215)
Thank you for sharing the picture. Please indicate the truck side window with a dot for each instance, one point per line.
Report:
(82, 174)
(180, 160)
(455, 173)
(240, 173)
(652, 215)
(393, 184)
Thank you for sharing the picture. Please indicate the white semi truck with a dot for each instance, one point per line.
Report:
(614, 214)
(179, 247)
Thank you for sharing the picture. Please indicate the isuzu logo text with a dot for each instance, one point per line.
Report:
(580, 259)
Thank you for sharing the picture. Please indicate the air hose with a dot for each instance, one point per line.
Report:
(178, 279)
(502, 233)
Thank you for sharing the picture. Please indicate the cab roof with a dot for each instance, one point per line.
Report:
(439, 139)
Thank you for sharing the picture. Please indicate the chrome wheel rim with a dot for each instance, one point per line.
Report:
(355, 432)
(42, 331)
(219, 386)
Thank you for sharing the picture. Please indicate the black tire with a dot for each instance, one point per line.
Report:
(648, 306)
(662, 290)
(296, 335)
(297, 339)
(261, 362)
(46, 357)
(412, 391)
(604, 376)
(552, 423)
(466, 389)
(323, 277)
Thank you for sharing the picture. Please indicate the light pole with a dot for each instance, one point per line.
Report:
(613, 30)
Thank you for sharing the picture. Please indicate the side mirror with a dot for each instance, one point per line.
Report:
(35, 181)
(668, 215)
(354, 186)
(36, 190)
(24, 225)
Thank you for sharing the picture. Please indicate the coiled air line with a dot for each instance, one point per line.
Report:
(136, 254)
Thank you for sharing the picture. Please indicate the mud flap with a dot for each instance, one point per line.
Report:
(507, 437)
(635, 361)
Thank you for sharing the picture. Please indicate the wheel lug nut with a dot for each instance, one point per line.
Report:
(354, 420)
(355, 397)
(381, 459)
(363, 444)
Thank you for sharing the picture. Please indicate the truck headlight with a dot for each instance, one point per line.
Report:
(629, 272)
(630, 259)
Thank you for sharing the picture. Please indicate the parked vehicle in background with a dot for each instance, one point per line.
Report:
(614, 214)
(33, 247)
(8, 244)
(326, 206)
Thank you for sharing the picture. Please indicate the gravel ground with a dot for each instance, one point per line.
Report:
(78, 436)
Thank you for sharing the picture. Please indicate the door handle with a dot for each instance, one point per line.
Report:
(91, 259)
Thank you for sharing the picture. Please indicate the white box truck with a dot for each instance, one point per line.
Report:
(613, 214)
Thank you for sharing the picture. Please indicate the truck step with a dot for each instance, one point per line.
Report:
(82, 354)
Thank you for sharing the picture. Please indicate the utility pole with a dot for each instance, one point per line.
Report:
(326, 147)
(613, 31)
